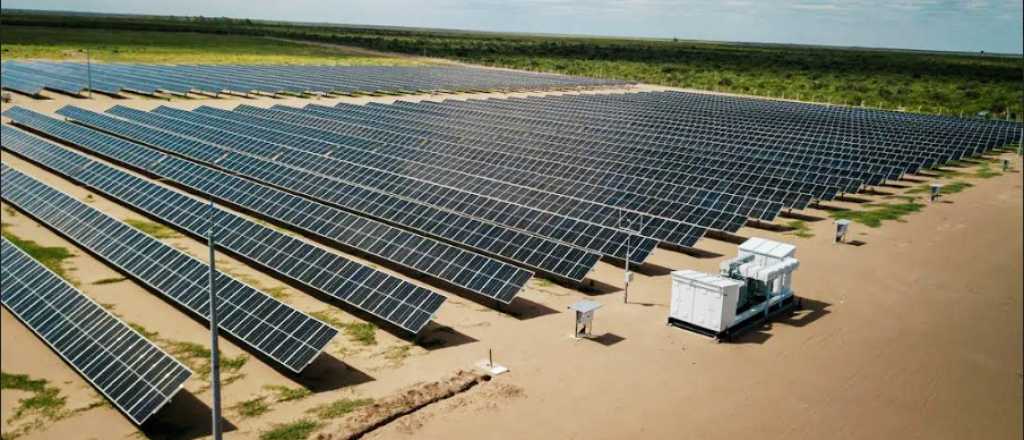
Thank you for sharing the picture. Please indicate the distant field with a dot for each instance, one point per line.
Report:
(915, 81)
(28, 42)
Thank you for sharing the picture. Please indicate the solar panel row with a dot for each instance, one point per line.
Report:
(388, 298)
(502, 148)
(934, 139)
(508, 157)
(74, 78)
(601, 135)
(473, 272)
(646, 143)
(370, 166)
(908, 127)
(544, 255)
(431, 158)
(133, 373)
(310, 156)
(281, 333)
(543, 144)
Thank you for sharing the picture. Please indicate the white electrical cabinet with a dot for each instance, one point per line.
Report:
(704, 300)
(751, 287)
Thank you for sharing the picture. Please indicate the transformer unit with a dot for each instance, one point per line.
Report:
(750, 288)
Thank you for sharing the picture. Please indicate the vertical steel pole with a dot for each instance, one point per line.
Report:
(214, 351)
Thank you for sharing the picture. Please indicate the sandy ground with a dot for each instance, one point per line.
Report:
(916, 334)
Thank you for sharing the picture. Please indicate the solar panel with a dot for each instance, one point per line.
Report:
(544, 255)
(330, 173)
(289, 79)
(270, 327)
(473, 272)
(434, 157)
(393, 300)
(491, 135)
(489, 153)
(133, 373)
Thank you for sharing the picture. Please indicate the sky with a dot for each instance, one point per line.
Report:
(952, 25)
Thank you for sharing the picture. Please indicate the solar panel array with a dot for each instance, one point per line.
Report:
(72, 77)
(545, 255)
(135, 375)
(279, 332)
(550, 182)
(473, 272)
(386, 297)
(340, 163)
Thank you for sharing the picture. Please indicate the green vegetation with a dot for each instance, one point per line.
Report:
(298, 430)
(50, 256)
(985, 171)
(21, 42)
(919, 81)
(879, 212)
(252, 408)
(21, 382)
(262, 404)
(397, 354)
(45, 405)
(339, 408)
(45, 400)
(197, 357)
(364, 333)
(279, 292)
(155, 230)
(146, 333)
(949, 188)
(285, 394)
(111, 280)
(799, 228)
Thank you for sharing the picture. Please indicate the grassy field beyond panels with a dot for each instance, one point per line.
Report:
(24, 42)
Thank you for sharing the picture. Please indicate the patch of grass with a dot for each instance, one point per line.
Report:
(397, 354)
(48, 402)
(879, 212)
(21, 382)
(948, 188)
(146, 333)
(50, 256)
(954, 187)
(154, 230)
(297, 430)
(285, 394)
(946, 173)
(197, 357)
(339, 408)
(328, 317)
(45, 399)
(280, 292)
(363, 332)
(252, 407)
(109, 280)
(799, 229)
(985, 171)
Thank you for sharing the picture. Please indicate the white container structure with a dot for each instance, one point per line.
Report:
(704, 300)
(755, 284)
